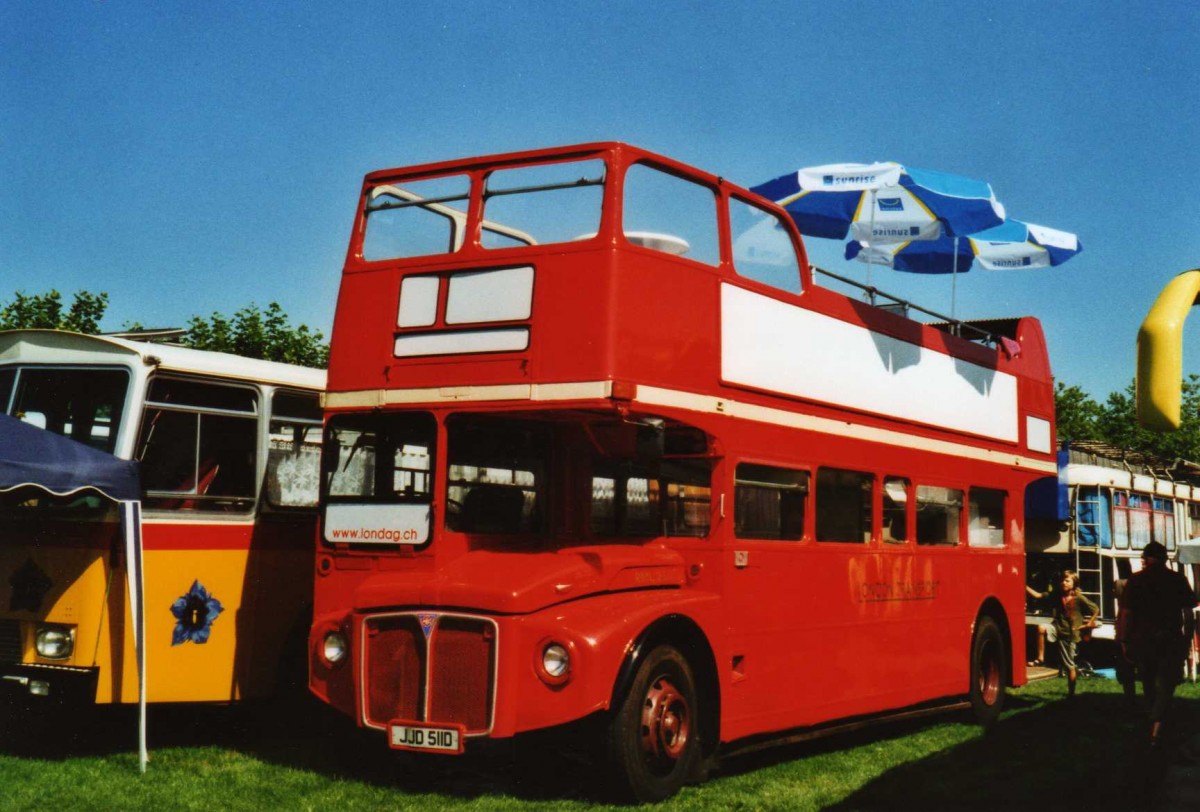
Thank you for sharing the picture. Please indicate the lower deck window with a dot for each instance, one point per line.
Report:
(844, 505)
(496, 478)
(939, 515)
(986, 526)
(629, 499)
(770, 503)
(895, 509)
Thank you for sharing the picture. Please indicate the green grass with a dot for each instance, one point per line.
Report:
(1044, 753)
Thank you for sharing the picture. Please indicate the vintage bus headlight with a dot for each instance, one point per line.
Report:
(554, 662)
(54, 642)
(334, 648)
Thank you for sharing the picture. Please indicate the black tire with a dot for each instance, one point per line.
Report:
(989, 657)
(654, 736)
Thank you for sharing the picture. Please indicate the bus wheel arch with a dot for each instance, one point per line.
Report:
(679, 714)
(990, 664)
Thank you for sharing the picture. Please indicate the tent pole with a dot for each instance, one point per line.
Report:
(131, 515)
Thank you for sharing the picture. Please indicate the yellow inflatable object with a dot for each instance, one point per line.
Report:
(1160, 353)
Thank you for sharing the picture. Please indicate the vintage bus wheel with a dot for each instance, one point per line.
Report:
(654, 737)
(987, 672)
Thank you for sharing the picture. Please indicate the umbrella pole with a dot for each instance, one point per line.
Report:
(870, 244)
(954, 286)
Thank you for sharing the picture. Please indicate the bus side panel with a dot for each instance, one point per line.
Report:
(220, 602)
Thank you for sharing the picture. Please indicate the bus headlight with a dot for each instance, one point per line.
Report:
(334, 648)
(553, 664)
(54, 642)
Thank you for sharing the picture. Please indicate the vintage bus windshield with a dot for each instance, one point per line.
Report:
(378, 478)
(83, 404)
(522, 206)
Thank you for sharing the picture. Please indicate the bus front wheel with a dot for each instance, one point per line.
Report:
(987, 672)
(654, 736)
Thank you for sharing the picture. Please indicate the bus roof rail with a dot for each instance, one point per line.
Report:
(972, 331)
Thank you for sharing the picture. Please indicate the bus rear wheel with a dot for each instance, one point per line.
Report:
(654, 737)
(988, 657)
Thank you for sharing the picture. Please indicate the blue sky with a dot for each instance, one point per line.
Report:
(196, 157)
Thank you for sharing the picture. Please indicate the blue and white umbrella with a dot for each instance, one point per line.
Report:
(1013, 245)
(883, 202)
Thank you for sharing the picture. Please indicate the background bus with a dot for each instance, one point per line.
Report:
(229, 457)
(1119, 501)
(599, 450)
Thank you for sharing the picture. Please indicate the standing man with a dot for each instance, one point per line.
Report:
(1155, 630)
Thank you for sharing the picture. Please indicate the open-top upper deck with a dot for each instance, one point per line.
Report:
(604, 271)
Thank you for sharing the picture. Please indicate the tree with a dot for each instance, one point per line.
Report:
(1118, 425)
(250, 332)
(257, 334)
(1078, 415)
(45, 311)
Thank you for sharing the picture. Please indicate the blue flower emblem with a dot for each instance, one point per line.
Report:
(194, 615)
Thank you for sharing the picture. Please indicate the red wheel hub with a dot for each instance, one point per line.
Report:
(666, 721)
(989, 674)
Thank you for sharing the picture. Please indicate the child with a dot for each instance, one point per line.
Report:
(1068, 605)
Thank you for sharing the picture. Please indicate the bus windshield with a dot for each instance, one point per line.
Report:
(523, 206)
(378, 478)
(83, 404)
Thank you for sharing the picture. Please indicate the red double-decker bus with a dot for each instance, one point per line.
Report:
(598, 448)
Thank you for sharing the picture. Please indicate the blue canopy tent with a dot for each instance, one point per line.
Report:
(33, 458)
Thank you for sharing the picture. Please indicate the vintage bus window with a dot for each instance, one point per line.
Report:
(7, 377)
(198, 446)
(670, 214)
(83, 404)
(416, 218)
(688, 497)
(353, 445)
(986, 518)
(541, 204)
(294, 451)
(625, 504)
(844, 501)
(651, 497)
(895, 509)
(939, 515)
(496, 479)
(762, 247)
(770, 503)
(1120, 520)
(1132, 521)
(1164, 522)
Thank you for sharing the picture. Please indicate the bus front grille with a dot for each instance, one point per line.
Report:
(429, 667)
(10, 641)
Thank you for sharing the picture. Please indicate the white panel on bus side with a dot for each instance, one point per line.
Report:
(774, 346)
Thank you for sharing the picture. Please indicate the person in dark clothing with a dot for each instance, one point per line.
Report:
(1126, 670)
(1068, 605)
(1155, 630)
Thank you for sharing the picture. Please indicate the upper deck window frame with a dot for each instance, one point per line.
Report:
(468, 228)
(617, 159)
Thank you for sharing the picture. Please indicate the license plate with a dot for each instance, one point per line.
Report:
(426, 738)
